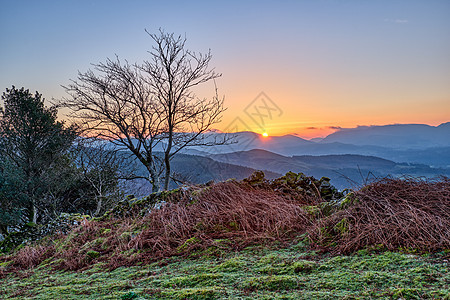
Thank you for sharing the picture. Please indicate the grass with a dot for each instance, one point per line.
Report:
(235, 240)
(254, 273)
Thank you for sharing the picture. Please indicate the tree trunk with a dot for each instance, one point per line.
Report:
(99, 207)
(167, 173)
(154, 179)
(167, 158)
(32, 212)
(35, 214)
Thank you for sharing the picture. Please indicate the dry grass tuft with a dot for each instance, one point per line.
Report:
(234, 211)
(31, 256)
(390, 214)
(228, 210)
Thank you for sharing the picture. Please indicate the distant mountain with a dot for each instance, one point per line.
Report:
(407, 143)
(344, 170)
(265, 160)
(199, 169)
(262, 160)
(246, 140)
(398, 136)
(410, 143)
(192, 169)
(347, 161)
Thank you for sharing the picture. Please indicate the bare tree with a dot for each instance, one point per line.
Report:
(115, 103)
(173, 73)
(141, 106)
(100, 168)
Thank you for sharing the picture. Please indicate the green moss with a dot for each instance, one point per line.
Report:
(271, 283)
(6, 264)
(202, 279)
(233, 226)
(106, 230)
(327, 208)
(193, 294)
(348, 201)
(129, 296)
(188, 244)
(270, 258)
(233, 264)
(406, 293)
(31, 224)
(92, 254)
(312, 210)
(303, 266)
(342, 226)
(258, 272)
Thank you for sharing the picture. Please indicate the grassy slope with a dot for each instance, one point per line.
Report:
(255, 273)
(400, 215)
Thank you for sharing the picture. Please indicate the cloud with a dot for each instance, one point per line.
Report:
(334, 127)
(311, 128)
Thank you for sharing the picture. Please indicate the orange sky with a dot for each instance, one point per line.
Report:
(310, 110)
(324, 64)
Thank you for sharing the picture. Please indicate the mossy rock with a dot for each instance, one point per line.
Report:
(330, 207)
(257, 178)
(349, 200)
(131, 206)
(307, 185)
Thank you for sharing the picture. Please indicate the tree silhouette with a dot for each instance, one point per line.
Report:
(150, 106)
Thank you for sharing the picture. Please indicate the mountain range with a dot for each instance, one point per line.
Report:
(408, 143)
(398, 136)
(349, 157)
(346, 170)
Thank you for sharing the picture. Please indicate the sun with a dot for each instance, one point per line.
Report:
(265, 134)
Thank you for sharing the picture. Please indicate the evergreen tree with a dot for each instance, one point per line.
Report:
(32, 141)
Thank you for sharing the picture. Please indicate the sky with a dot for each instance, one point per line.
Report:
(288, 67)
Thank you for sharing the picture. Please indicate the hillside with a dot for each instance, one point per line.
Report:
(257, 272)
(192, 169)
(199, 169)
(346, 170)
(294, 237)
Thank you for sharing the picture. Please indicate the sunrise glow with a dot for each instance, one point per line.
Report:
(265, 134)
(366, 63)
